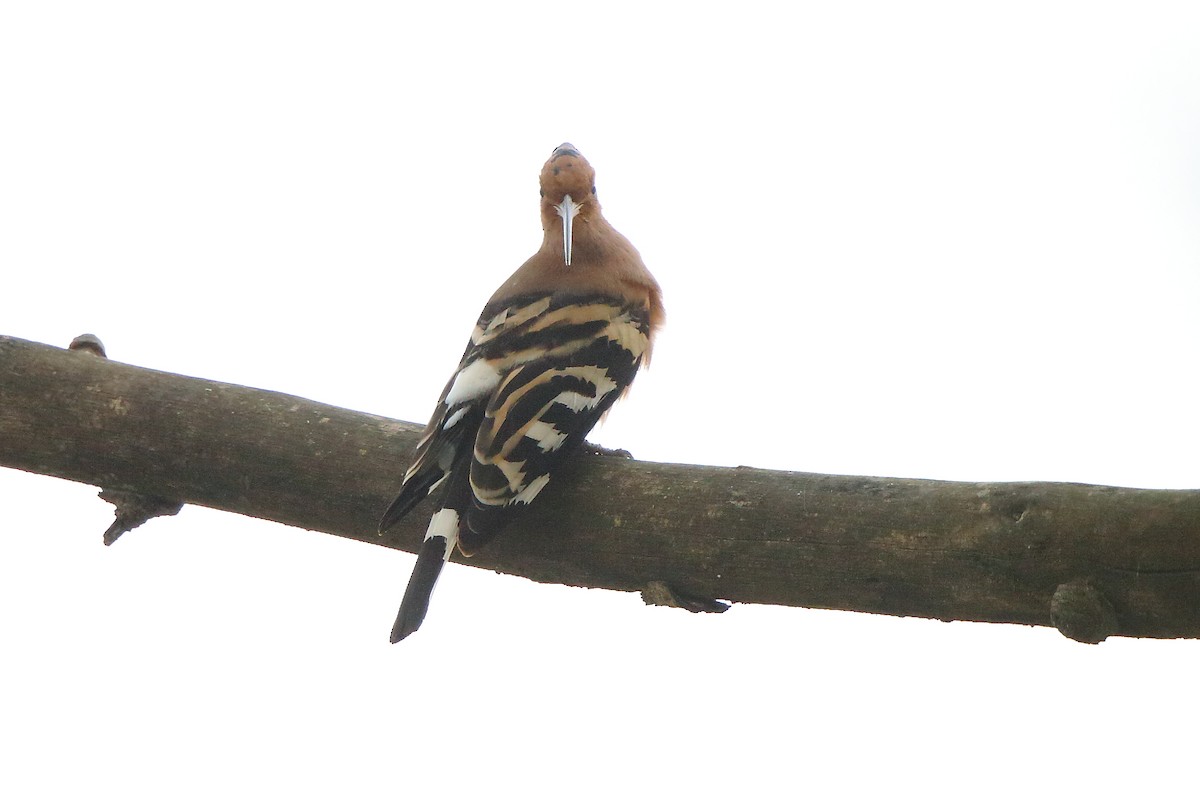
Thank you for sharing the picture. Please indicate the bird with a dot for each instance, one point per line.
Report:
(556, 345)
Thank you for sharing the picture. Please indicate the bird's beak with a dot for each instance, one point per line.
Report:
(567, 210)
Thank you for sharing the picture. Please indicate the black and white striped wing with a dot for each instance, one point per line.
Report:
(573, 359)
(541, 369)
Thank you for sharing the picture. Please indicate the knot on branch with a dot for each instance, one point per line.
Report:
(660, 593)
(87, 343)
(1081, 612)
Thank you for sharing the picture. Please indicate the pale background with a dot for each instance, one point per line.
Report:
(907, 239)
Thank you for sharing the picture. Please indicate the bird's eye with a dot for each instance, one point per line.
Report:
(541, 192)
(593, 189)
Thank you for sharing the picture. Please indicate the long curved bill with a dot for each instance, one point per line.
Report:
(567, 209)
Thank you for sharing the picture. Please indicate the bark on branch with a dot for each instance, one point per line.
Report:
(1091, 560)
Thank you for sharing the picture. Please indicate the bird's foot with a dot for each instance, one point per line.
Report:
(596, 449)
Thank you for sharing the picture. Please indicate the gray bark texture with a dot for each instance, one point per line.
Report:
(1092, 561)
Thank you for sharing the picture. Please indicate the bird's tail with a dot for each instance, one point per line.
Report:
(440, 539)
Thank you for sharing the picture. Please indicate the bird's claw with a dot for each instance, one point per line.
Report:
(607, 452)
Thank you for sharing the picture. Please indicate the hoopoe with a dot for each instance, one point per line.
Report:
(557, 344)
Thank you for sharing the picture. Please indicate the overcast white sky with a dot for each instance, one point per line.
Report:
(903, 239)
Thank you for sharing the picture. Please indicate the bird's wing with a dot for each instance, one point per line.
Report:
(565, 367)
(496, 342)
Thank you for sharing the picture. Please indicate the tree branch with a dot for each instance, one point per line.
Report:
(1091, 560)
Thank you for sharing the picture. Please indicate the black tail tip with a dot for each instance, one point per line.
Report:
(424, 577)
(406, 624)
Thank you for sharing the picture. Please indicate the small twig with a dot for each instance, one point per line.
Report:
(659, 593)
(134, 509)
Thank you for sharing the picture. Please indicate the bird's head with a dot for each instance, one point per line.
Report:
(568, 194)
